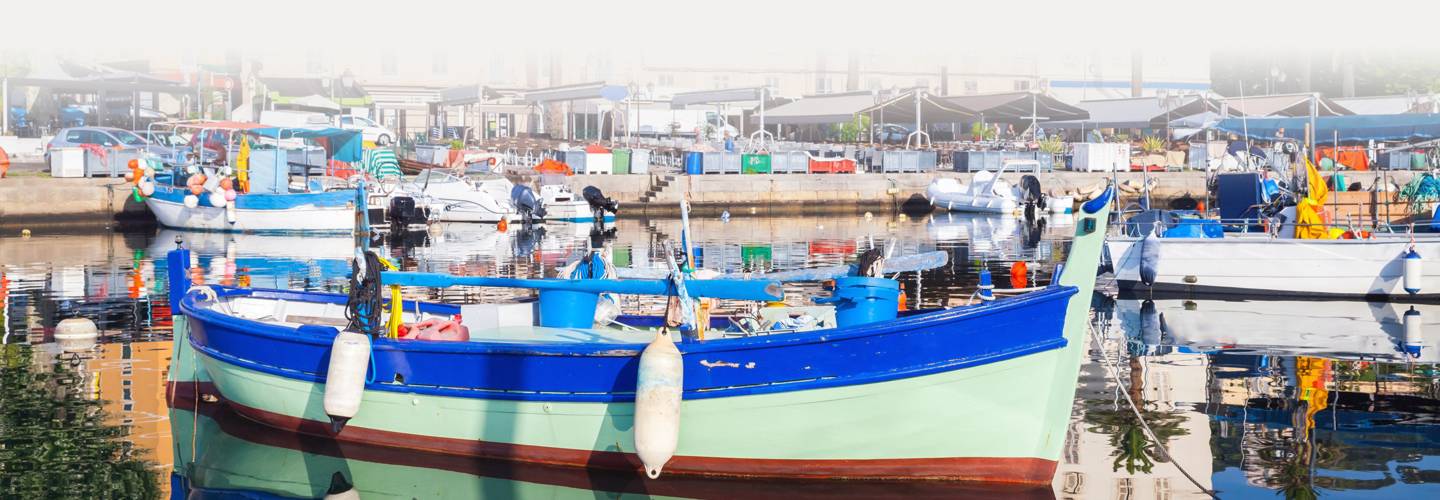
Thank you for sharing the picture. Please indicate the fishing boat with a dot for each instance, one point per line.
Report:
(980, 392)
(240, 180)
(1332, 329)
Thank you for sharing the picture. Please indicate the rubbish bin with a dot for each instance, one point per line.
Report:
(755, 164)
(620, 159)
(639, 161)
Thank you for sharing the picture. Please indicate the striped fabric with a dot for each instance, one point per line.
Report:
(381, 163)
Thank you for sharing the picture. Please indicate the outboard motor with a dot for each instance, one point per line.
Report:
(528, 204)
(599, 204)
(403, 214)
(1031, 197)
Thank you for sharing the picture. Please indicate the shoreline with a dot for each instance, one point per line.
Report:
(44, 202)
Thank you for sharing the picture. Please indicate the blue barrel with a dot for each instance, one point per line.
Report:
(864, 300)
(693, 163)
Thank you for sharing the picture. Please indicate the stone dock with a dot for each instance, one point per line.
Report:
(39, 201)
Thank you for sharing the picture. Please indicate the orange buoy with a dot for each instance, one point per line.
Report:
(902, 305)
(1019, 275)
(503, 225)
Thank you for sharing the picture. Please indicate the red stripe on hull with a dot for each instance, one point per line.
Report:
(1021, 471)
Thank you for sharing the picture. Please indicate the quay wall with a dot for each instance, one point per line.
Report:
(46, 202)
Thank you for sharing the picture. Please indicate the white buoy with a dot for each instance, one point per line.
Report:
(1414, 338)
(76, 334)
(1412, 271)
(192, 201)
(345, 378)
(217, 198)
(657, 403)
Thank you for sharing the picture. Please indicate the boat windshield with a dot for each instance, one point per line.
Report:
(433, 176)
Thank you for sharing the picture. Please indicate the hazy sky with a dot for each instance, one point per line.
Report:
(732, 25)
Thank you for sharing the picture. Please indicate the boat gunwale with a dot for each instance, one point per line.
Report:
(312, 335)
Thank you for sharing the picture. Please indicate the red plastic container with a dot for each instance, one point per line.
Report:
(832, 166)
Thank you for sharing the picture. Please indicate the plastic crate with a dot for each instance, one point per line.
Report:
(639, 161)
(832, 166)
(755, 164)
(620, 161)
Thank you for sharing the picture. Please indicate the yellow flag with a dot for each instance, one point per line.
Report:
(242, 165)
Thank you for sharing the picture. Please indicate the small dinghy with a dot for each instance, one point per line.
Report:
(858, 390)
(988, 193)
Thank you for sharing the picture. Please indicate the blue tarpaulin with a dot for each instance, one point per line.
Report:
(340, 144)
(1351, 128)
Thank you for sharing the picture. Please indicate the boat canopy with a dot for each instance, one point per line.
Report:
(1353, 128)
(340, 144)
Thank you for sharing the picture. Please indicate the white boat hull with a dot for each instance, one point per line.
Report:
(208, 218)
(1280, 267)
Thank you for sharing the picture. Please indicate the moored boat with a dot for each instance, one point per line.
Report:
(253, 191)
(978, 392)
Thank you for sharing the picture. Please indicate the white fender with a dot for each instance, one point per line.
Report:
(345, 378)
(1413, 268)
(657, 403)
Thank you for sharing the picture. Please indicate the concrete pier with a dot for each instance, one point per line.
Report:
(43, 201)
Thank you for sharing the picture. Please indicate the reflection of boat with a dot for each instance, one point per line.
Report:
(237, 458)
(1236, 264)
(1330, 329)
(995, 236)
(792, 404)
(264, 260)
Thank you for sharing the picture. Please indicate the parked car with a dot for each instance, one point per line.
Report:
(369, 130)
(108, 137)
(890, 133)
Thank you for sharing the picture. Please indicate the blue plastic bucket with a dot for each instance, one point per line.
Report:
(864, 300)
(693, 163)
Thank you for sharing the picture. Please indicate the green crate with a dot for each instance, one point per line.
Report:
(756, 255)
(755, 164)
(620, 161)
(621, 257)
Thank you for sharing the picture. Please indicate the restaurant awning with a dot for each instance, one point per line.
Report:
(1351, 128)
(1007, 107)
(821, 109)
(578, 92)
(296, 91)
(1282, 105)
(1138, 112)
(749, 94)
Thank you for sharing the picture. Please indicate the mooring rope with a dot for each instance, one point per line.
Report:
(1115, 375)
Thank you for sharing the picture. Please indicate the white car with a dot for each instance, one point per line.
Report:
(369, 130)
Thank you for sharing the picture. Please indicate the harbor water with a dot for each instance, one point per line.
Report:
(1250, 398)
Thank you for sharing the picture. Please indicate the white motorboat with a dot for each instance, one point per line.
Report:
(1243, 264)
(986, 193)
(452, 198)
(562, 204)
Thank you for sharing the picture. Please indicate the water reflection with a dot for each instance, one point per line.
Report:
(1252, 398)
(58, 437)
